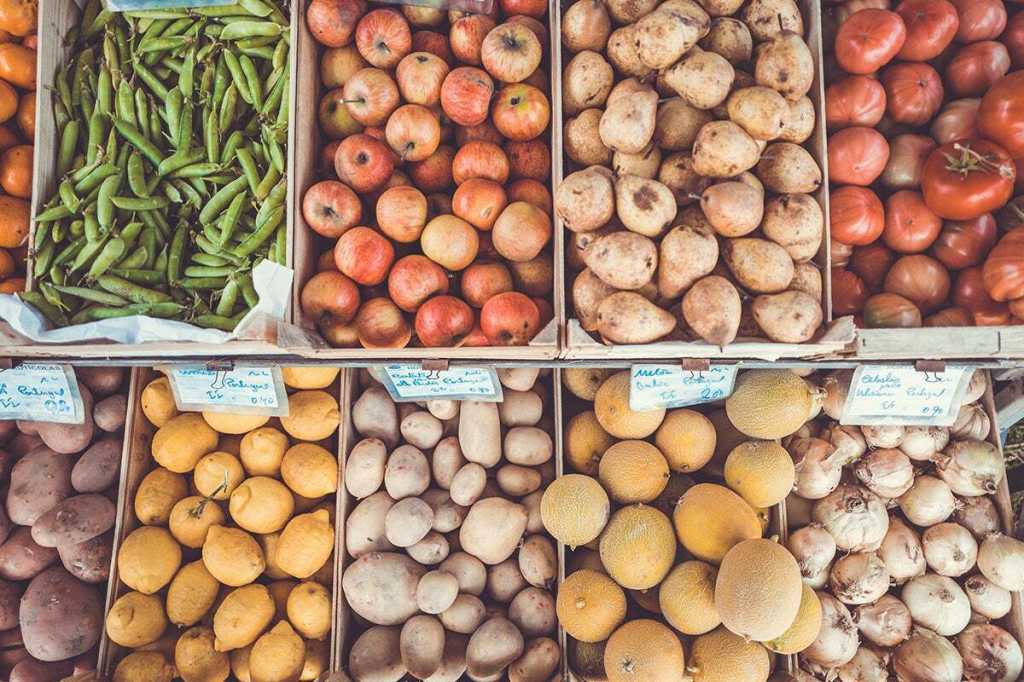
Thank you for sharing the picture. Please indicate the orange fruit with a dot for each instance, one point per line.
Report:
(16, 171)
(12, 285)
(7, 264)
(14, 221)
(27, 115)
(8, 101)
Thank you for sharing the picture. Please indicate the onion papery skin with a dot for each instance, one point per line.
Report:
(949, 549)
(859, 578)
(990, 654)
(854, 516)
(887, 472)
(987, 599)
(886, 623)
(929, 501)
(838, 640)
(937, 603)
(927, 657)
(902, 553)
(972, 467)
(1001, 560)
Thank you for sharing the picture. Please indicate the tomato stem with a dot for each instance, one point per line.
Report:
(970, 160)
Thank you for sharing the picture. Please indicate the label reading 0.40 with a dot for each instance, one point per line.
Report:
(245, 390)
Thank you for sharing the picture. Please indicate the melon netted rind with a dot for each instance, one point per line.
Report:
(770, 403)
(687, 439)
(710, 520)
(574, 509)
(805, 628)
(758, 590)
(633, 471)
(722, 656)
(687, 598)
(638, 547)
(611, 405)
(590, 606)
(761, 471)
(644, 650)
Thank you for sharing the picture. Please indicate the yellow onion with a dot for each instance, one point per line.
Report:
(927, 657)
(859, 578)
(837, 641)
(867, 664)
(818, 471)
(921, 443)
(929, 501)
(949, 549)
(972, 422)
(1001, 560)
(854, 516)
(978, 515)
(976, 387)
(837, 386)
(883, 435)
(987, 599)
(886, 623)
(848, 441)
(886, 472)
(901, 552)
(971, 467)
(989, 653)
(813, 548)
(937, 603)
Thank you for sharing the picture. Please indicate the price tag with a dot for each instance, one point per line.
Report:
(242, 390)
(653, 387)
(411, 383)
(881, 394)
(41, 392)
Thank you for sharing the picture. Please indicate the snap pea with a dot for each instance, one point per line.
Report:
(208, 271)
(112, 252)
(248, 29)
(76, 228)
(137, 175)
(259, 41)
(68, 252)
(54, 213)
(219, 201)
(97, 130)
(133, 292)
(256, 7)
(281, 245)
(212, 133)
(136, 259)
(68, 146)
(91, 227)
(131, 232)
(188, 66)
(43, 259)
(184, 134)
(190, 193)
(58, 232)
(51, 312)
(105, 91)
(149, 278)
(105, 204)
(132, 135)
(88, 178)
(248, 291)
(139, 203)
(228, 298)
(125, 105)
(207, 259)
(237, 77)
(267, 183)
(252, 78)
(197, 170)
(280, 58)
(67, 195)
(201, 283)
(233, 144)
(231, 216)
(219, 321)
(263, 232)
(151, 81)
(94, 295)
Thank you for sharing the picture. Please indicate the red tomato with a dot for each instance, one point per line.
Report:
(1001, 115)
(969, 293)
(921, 279)
(931, 26)
(854, 101)
(907, 154)
(976, 67)
(962, 244)
(963, 180)
(857, 156)
(1004, 268)
(950, 317)
(1014, 40)
(890, 310)
(848, 292)
(913, 92)
(869, 40)
(872, 262)
(980, 20)
(910, 227)
(857, 217)
(958, 120)
(847, 9)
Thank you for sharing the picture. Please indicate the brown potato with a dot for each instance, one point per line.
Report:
(539, 661)
(768, 18)
(21, 558)
(678, 174)
(39, 481)
(447, 459)
(787, 168)
(677, 124)
(89, 561)
(381, 587)
(70, 439)
(588, 290)
(703, 79)
(60, 616)
(790, 317)
(785, 64)
(729, 38)
(492, 529)
(582, 141)
(538, 561)
(628, 11)
(807, 278)
(712, 309)
(627, 123)
(759, 110)
(794, 222)
(74, 520)
(468, 570)
(110, 413)
(421, 644)
(102, 381)
(669, 32)
(644, 206)
(622, 53)
(628, 317)
(364, 527)
(517, 481)
(758, 264)
(376, 655)
(644, 163)
(98, 467)
(585, 200)
(586, 25)
(723, 149)
(733, 208)
(533, 612)
(586, 82)
(687, 253)
(495, 644)
(624, 260)
(799, 121)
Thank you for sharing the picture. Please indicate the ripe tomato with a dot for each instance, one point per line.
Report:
(1004, 268)
(913, 92)
(854, 101)
(872, 262)
(963, 180)
(964, 243)
(890, 310)
(976, 67)
(931, 26)
(869, 40)
(969, 293)
(857, 156)
(910, 227)
(958, 120)
(921, 279)
(950, 317)
(848, 292)
(1001, 115)
(857, 217)
(1014, 40)
(907, 154)
(980, 20)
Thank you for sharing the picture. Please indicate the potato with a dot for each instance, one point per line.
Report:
(586, 81)
(436, 591)
(669, 32)
(492, 529)
(623, 53)
(585, 200)
(768, 18)
(729, 38)
(799, 121)
(158, 402)
(464, 615)
(446, 460)
(408, 521)
(712, 308)
(74, 520)
(60, 617)
(136, 619)
(31, 670)
(504, 581)
(723, 149)
(364, 467)
(527, 445)
(517, 481)
(794, 222)
(539, 661)
(677, 124)
(39, 481)
(644, 206)
(381, 587)
(421, 429)
(23, 443)
(538, 561)
(520, 408)
(375, 415)
(110, 413)
(101, 381)
(785, 64)
(702, 79)
(480, 432)
(10, 594)
(421, 644)
(624, 260)
(586, 25)
(21, 558)
(468, 570)
(376, 656)
(789, 317)
(448, 515)
(151, 666)
(628, 11)
(69, 439)
(758, 264)
(582, 142)
(627, 124)
(588, 290)
(98, 467)
(468, 484)
(733, 208)
(807, 278)
(628, 317)
(534, 523)
(364, 527)
(495, 644)
(533, 612)
(787, 168)
(406, 473)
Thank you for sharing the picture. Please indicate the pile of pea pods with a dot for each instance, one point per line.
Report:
(171, 165)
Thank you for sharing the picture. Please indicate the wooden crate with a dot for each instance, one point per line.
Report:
(308, 245)
(136, 462)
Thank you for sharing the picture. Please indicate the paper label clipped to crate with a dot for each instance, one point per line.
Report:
(241, 390)
(411, 383)
(653, 387)
(890, 394)
(41, 392)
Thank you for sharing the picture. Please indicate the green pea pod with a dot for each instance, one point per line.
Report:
(191, 194)
(68, 146)
(249, 29)
(165, 13)
(206, 80)
(231, 147)
(259, 41)
(63, 86)
(226, 324)
(280, 250)
(202, 283)
(177, 251)
(140, 203)
(126, 103)
(54, 213)
(207, 259)
(49, 311)
(257, 8)
(131, 232)
(137, 259)
(133, 292)
(156, 221)
(227, 108)
(88, 178)
(274, 199)
(137, 175)
(147, 243)
(237, 77)
(112, 252)
(105, 93)
(217, 10)
(151, 81)
(185, 78)
(57, 274)
(280, 58)
(208, 271)
(172, 108)
(70, 251)
(148, 278)
(59, 231)
(42, 234)
(93, 295)
(179, 160)
(276, 155)
(98, 24)
(111, 57)
(53, 296)
(264, 53)
(92, 227)
(204, 54)
(248, 290)
(263, 232)
(125, 65)
(132, 135)
(252, 78)
(197, 170)
(228, 298)
(268, 182)
(67, 195)
(162, 44)
(219, 201)
(76, 228)
(221, 79)
(209, 246)
(212, 132)
(282, 107)
(273, 100)
(212, 232)
(171, 192)
(43, 259)
(142, 113)
(249, 170)
(97, 131)
(104, 203)
(110, 151)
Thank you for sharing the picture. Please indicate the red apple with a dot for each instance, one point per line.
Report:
(420, 76)
(397, 179)
(330, 292)
(363, 162)
(380, 324)
(521, 112)
(534, 277)
(480, 160)
(413, 280)
(532, 192)
(547, 313)
(479, 202)
(325, 261)
(484, 132)
(466, 95)
(402, 213)
(443, 321)
(338, 64)
(365, 255)
(510, 319)
(456, 14)
(413, 132)
(434, 43)
(510, 52)
(520, 232)
(475, 338)
(533, 8)
(332, 22)
(486, 251)
(325, 162)
(538, 28)
(383, 37)
(480, 281)
(338, 333)
(434, 173)
(330, 208)
(530, 159)
(419, 15)
(539, 79)
(375, 132)
(466, 37)
(334, 116)
(371, 95)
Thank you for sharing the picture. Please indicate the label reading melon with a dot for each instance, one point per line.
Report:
(653, 387)
(411, 383)
(899, 394)
(241, 390)
(36, 391)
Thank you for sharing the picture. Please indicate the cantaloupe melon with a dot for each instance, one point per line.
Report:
(687, 439)
(805, 628)
(590, 606)
(687, 598)
(586, 442)
(574, 509)
(583, 382)
(710, 519)
(761, 471)
(770, 403)
(638, 547)
(722, 656)
(611, 405)
(644, 651)
(758, 590)
(633, 471)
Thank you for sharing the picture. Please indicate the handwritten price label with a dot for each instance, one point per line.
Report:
(41, 392)
(654, 387)
(244, 390)
(902, 395)
(410, 383)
